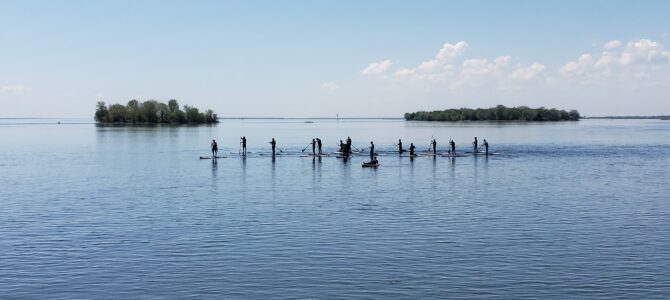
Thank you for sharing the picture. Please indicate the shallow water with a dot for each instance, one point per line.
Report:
(567, 210)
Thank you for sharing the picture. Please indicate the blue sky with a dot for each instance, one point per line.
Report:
(321, 58)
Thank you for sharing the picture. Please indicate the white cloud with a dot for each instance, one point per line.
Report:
(330, 86)
(377, 68)
(527, 73)
(578, 67)
(451, 51)
(16, 89)
(665, 34)
(613, 44)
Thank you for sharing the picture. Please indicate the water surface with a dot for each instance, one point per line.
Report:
(568, 210)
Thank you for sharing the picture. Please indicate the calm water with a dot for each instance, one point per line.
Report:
(568, 210)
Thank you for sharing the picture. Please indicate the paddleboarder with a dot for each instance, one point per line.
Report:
(313, 146)
(474, 144)
(411, 149)
(318, 144)
(486, 147)
(274, 144)
(453, 147)
(215, 149)
(434, 143)
(400, 146)
(372, 150)
(244, 145)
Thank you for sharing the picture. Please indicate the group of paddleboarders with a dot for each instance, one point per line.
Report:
(345, 149)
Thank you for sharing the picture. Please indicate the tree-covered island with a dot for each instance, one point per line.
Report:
(498, 113)
(152, 111)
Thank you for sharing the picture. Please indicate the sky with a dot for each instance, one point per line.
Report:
(324, 58)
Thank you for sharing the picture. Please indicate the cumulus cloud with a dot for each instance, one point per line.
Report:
(578, 67)
(377, 67)
(450, 51)
(527, 73)
(613, 44)
(16, 89)
(619, 58)
(330, 86)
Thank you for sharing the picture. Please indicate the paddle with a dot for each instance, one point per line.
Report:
(303, 149)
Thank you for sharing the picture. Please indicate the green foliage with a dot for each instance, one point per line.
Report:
(498, 113)
(152, 111)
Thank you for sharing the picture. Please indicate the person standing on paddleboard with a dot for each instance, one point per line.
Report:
(274, 144)
(400, 146)
(313, 146)
(486, 147)
(411, 149)
(372, 150)
(453, 147)
(215, 149)
(434, 143)
(318, 144)
(474, 144)
(244, 145)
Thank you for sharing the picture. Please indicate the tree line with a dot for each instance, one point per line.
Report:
(152, 111)
(498, 113)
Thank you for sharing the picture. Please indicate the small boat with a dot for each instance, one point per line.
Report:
(209, 157)
(370, 164)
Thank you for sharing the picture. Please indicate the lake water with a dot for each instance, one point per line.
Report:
(567, 210)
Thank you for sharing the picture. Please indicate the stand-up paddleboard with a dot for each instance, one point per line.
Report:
(209, 157)
(482, 153)
(452, 155)
(370, 165)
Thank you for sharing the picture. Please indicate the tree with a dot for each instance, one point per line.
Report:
(101, 112)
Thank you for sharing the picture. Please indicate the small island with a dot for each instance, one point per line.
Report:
(498, 113)
(152, 112)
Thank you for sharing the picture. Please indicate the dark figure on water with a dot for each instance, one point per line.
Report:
(215, 149)
(411, 149)
(273, 143)
(318, 144)
(313, 146)
(372, 150)
(400, 147)
(341, 146)
(434, 146)
(349, 141)
(474, 144)
(453, 147)
(244, 145)
(486, 147)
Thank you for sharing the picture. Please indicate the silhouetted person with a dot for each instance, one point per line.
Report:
(372, 150)
(215, 149)
(400, 146)
(434, 146)
(349, 141)
(411, 149)
(486, 147)
(341, 146)
(474, 144)
(318, 144)
(244, 145)
(453, 147)
(313, 146)
(274, 144)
